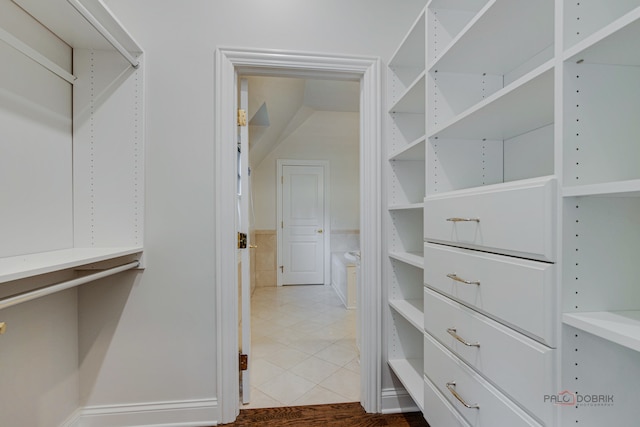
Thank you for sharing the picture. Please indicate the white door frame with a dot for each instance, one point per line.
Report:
(228, 64)
(327, 212)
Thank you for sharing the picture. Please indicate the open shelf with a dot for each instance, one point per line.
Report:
(586, 21)
(413, 151)
(60, 17)
(412, 310)
(413, 98)
(524, 105)
(406, 207)
(411, 52)
(630, 188)
(412, 258)
(409, 371)
(23, 266)
(620, 327)
(500, 38)
(614, 44)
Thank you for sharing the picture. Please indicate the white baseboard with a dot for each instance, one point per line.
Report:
(397, 400)
(191, 413)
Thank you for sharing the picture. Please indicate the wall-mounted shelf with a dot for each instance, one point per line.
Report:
(412, 258)
(412, 310)
(524, 105)
(409, 371)
(501, 37)
(412, 100)
(23, 266)
(406, 206)
(413, 151)
(61, 18)
(614, 44)
(620, 327)
(630, 188)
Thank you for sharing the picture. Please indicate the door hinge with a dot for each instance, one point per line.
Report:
(281, 179)
(281, 224)
(242, 117)
(242, 241)
(244, 362)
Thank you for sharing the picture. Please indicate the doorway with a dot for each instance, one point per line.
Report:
(230, 63)
(306, 185)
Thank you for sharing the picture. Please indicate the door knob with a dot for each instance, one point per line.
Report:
(320, 231)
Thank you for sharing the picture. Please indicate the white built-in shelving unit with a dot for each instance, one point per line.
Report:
(405, 209)
(531, 212)
(601, 197)
(92, 208)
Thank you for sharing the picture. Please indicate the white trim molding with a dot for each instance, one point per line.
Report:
(229, 64)
(397, 400)
(188, 413)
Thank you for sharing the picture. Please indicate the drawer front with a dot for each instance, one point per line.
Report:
(518, 292)
(519, 366)
(438, 411)
(444, 370)
(513, 218)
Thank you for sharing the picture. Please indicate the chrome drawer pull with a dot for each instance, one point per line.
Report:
(452, 332)
(455, 277)
(457, 219)
(460, 399)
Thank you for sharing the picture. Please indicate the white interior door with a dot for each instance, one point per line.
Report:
(302, 223)
(244, 277)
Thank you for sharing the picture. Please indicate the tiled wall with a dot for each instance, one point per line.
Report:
(265, 258)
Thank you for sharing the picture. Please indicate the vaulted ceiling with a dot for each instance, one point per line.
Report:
(279, 105)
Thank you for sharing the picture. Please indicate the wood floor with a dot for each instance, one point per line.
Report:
(338, 415)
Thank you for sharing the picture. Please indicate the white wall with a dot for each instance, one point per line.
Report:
(163, 343)
(325, 135)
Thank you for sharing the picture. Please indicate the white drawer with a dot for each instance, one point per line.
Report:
(443, 368)
(522, 368)
(512, 218)
(518, 292)
(438, 411)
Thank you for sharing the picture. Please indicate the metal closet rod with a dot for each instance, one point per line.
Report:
(104, 32)
(33, 54)
(48, 290)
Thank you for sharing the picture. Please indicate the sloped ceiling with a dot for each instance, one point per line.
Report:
(279, 105)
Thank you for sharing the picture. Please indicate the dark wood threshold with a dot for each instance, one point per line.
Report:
(338, 415)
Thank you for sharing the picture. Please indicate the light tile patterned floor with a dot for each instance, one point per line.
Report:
(303, 348)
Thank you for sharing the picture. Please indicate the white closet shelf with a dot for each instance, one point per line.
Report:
(63, 19)
(520, 107)
(23, 266)
(408, 206)
(617, 43)
(413, 99)
(630, 188)
(412, 310)
(412, 258)
(414, 151)
(620, 327)
(409, 371)
(502, 36)
(405, 56)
